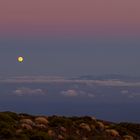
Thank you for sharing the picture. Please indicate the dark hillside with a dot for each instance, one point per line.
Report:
(27, 127)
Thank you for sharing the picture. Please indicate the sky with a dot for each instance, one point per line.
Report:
(70, 37)
(52, 17)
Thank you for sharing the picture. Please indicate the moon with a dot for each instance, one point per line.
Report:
(20, 59)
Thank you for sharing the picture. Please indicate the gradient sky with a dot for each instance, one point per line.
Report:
(50, 17)
(70, 37)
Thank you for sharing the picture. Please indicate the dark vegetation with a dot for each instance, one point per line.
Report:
(27, 127)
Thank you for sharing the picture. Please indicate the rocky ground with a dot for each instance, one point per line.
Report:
(27, 127)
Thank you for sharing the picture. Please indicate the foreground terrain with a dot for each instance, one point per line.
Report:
(28, 127)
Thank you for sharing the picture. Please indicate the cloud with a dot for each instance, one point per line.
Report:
(134, 95)
(90, 95)
(55, 79)
(70, 93)
(28, 91)
(31, 79)
(130, 94)
(75, 93)
(124, 92)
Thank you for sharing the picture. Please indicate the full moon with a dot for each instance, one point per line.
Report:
(20, 59)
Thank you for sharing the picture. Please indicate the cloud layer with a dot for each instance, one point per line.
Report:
(48, 79)
(75, 93)
(28, 91)
(70, 93)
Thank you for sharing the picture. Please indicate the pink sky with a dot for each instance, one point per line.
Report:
(120, 17)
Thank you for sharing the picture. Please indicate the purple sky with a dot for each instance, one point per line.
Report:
(74, 17)
(75, 37)
(69, 38)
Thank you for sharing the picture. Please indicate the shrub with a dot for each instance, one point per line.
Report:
(41, 120)
(26, 126)
(71, 138)
(112, 132)
(39, 135)
(7, 133)
(60, 121)
(127, 137)
(5, 117)
(27, 121)
(85, 126)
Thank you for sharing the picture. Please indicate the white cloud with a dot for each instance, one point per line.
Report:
(28, 91)
(124, 91)
(74, 93)
(55, 79)
(134, 95)
(130, 94)
(90, 95)
(70, 93)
